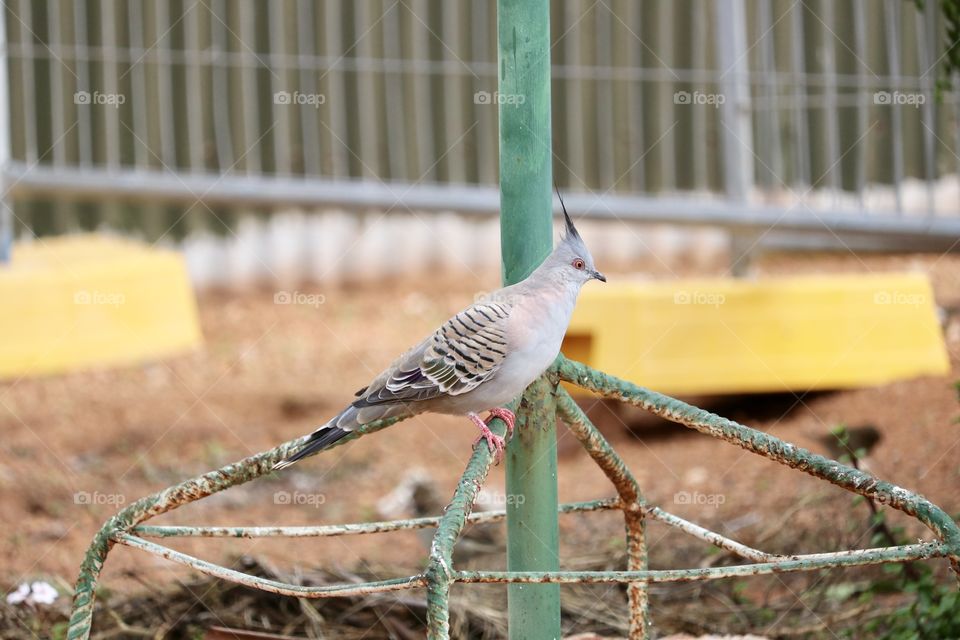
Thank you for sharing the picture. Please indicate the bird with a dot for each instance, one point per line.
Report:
(478, 360)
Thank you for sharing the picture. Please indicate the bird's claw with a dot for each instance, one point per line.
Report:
(495, 443)
(506, 415)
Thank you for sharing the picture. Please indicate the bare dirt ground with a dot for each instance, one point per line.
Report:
(76, 447)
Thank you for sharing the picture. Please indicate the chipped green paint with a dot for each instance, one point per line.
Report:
(631, 499)
(439, 573)
(768, 446)
(904, 553)
(323, 531)
(170, 498)
(126, 528)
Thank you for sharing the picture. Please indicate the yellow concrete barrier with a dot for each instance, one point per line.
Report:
(783, 334)
(83, 301)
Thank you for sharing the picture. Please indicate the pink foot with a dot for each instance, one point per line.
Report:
(506, 415)
(494, 442)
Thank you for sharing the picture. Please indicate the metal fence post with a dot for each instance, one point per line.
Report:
(736, 126)
(6, 202)
(526, 237)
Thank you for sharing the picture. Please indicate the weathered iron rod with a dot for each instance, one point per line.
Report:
(631, 498)
(713, 538)
(439, 573)
(770, 447)
(170, 498)
(265, 584)
(904, 553)
(320, 531)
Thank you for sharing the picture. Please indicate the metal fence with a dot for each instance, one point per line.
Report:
(759, 115)
(127, 526)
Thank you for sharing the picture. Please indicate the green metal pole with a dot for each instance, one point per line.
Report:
(526, 238)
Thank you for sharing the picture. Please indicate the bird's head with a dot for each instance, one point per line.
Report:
(571, 258)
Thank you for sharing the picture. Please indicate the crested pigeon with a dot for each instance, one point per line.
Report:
(478, 360)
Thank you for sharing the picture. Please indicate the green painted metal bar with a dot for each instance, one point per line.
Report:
(634, 511)
(170, 498)
(526, 238)
(331, 530)
(906, 553)
(440, 572)
(767, 446)
(265, 584)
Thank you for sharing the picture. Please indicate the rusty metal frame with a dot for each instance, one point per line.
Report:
(127, 527)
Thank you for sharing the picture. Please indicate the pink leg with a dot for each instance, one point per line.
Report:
(506, 415)
(494, 442)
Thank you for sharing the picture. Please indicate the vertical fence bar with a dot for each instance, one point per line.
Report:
(333, 24)
(831, 112)
(220, 74)
(860, 51)
(138, 84)
(486, 169)
(28, 58)
(6, 203)
(526, 236)
(395, 98)
(736, 129)
(57, 83)
(573, 89)
(926, 26)
(698, 117)
(801, 96)
(166, 101)
(247, 40)
(419, 35)
(771, 89)
(196, 132)
(638, 180)
(369, 131)
(110, 43)
(453, 102)
(606, 141)
(306, 61)
(890, 14)
(282, 114)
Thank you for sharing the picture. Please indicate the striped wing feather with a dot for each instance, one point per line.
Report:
(461, 355)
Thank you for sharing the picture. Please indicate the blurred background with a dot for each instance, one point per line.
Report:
(219, 219)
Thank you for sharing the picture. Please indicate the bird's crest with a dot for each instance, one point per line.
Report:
(571, 230)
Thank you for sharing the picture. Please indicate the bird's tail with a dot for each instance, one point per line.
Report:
(320, 439)
(345, 423)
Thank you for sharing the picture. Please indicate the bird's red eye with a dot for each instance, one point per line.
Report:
(578, 264)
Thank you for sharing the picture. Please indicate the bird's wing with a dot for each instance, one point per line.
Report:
(461, 355)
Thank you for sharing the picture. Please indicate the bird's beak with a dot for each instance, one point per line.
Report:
(596, 275)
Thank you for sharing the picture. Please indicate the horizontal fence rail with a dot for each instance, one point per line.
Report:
(728, 112)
